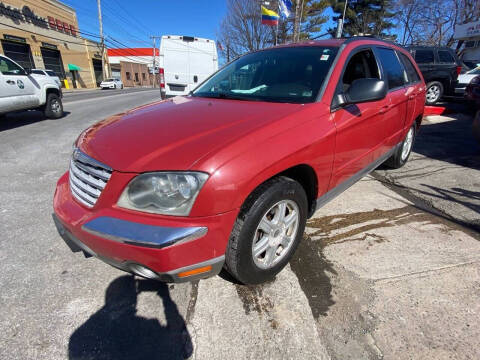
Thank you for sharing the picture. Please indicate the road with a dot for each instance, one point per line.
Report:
(377, 276)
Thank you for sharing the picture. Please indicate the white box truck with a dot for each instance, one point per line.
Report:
(185, 62)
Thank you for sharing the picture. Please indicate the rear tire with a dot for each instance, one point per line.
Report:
(434, 92)
(267, 231)
(53, 108)
(403, 151)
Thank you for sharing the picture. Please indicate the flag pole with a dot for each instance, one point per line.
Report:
(276, 33)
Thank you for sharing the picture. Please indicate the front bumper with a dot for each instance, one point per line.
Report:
(167, 248)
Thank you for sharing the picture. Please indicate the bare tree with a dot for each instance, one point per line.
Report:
(242, 31)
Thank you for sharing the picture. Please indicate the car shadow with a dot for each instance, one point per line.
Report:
(450, 141)
(23, 118)
(117, 332)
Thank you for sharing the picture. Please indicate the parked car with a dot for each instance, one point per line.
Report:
(47, 73)
(440, 68)
(185, 62)
(472, 91)
(464, 80)
(227, 177)
(20, 90)
(111, 83)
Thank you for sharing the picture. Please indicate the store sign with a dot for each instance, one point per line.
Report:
(471, 29)
(26, 15)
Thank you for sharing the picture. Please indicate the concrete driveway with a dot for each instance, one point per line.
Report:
(377, 276)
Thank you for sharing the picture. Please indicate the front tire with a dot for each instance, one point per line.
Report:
(267, 231)
(403, 151)
(53, 108)
(434, 92)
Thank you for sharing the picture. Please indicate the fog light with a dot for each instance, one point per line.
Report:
(143, 271)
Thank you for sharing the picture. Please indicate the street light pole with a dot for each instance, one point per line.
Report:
(341, 21)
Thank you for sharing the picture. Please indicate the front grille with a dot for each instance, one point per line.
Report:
(88, 178)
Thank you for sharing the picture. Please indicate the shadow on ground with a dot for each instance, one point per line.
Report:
(450, 141)
(117, 332)
(23, 118)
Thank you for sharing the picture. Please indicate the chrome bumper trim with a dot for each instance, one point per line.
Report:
(137, 234)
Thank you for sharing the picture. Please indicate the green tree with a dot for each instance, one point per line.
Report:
(364, 17)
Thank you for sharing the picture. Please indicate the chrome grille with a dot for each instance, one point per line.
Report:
(88, 177)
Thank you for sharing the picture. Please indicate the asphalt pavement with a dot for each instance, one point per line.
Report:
(382, 272)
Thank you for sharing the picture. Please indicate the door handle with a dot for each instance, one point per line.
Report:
(11, 82)
(384, 109)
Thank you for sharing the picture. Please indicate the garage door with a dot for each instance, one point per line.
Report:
(18, 52)
(53, 61)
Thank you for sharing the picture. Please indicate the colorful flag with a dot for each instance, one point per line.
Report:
(285, 8)
(219, 46)
(269, 17)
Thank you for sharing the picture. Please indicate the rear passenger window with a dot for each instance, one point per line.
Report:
(412, 74)
(424, 56)
(392, 68)
(444, 56)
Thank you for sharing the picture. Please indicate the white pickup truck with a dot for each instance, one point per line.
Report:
(19, 90)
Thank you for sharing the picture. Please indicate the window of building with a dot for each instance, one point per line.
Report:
(136, 77)
(424, 56)
(127, 74)
(144, 76)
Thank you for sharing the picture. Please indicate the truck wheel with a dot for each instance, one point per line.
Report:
(267, 231)
(53, 108)
(403, 151)
(434, 92)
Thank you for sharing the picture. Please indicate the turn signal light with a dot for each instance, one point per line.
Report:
(196, 271)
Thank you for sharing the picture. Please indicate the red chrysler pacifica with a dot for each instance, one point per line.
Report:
(227, 176)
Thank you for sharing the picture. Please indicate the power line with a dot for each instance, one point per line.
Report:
(129, 19)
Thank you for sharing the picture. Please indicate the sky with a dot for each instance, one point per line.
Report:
(131, 22)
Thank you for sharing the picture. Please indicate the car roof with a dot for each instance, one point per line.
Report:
(342, 41)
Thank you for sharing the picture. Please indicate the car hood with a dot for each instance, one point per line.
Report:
(175, 134)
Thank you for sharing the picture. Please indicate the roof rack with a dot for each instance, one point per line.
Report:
(369, 37)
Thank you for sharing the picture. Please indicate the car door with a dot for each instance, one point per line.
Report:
(395, 112)
(359, 126)
(18, 90)
(414, 88)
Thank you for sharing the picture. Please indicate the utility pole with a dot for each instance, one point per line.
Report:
(341, 22)
(102, 39)
(154, 38)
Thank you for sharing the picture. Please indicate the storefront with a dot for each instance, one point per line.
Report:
(44, 34)
(470, 34)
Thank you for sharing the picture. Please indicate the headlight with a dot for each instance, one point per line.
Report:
(168, 193)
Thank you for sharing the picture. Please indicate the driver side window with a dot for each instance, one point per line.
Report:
(8, 67)
(361, 65)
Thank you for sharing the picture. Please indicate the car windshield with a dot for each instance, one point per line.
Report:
(107, 80)
(38, 72)
(51, 73)
(292, 75)
(475, 71)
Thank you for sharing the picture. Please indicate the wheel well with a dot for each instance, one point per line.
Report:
(418, 122)
(305, 176)
(53, 91)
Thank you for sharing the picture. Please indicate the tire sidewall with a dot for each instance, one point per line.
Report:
(429, 85)
(246, 267)
(49, 113)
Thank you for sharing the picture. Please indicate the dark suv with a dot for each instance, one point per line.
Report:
(440, 68)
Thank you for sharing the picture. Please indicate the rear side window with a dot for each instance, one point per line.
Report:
(424, 56)
(392, 68)
(444, 56)
(412, 74)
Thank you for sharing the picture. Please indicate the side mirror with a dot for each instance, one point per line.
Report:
(364, 90)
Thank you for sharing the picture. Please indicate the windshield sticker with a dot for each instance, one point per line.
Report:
(324, 57)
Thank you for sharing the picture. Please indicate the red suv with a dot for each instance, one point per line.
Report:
(227, 176)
